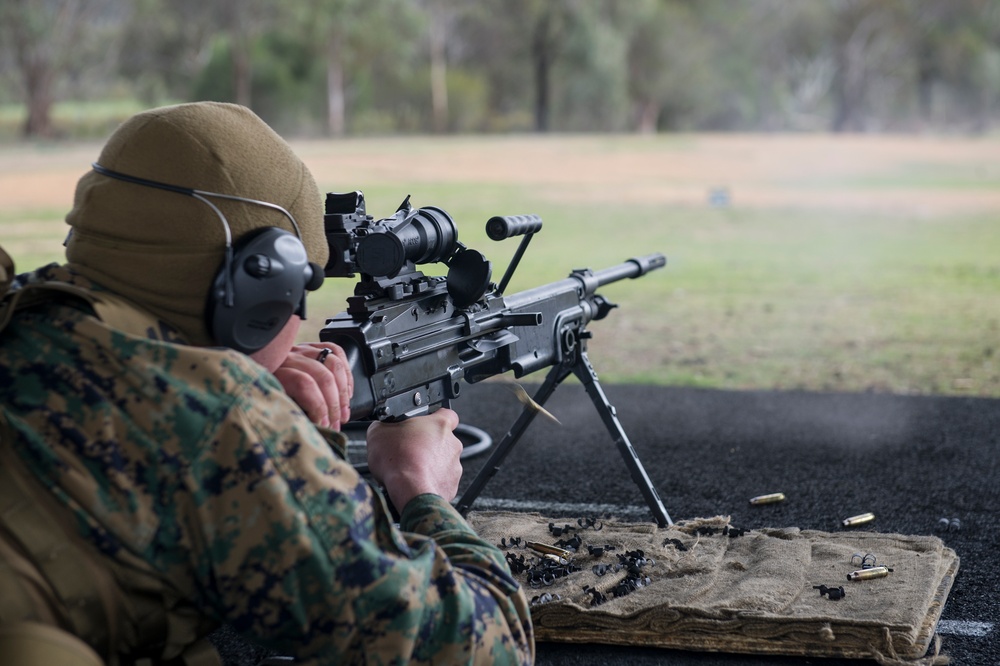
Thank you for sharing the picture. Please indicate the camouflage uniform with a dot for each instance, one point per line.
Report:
(193, 462)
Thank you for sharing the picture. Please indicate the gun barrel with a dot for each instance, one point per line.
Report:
(633, 268)
(586, 281)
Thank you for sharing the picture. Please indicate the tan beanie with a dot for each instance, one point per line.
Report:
(162, 249)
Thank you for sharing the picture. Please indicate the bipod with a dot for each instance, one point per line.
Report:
(585, 373)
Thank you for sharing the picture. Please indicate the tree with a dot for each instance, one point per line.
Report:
(344, 66)
(168, 41)
(547, 22)
(956, 47)
(671, 67)
(440, 22)
(359, 42)
(589, 90)
(49, 41)
(871, 54)
(244, 20)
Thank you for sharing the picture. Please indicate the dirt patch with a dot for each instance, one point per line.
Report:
(42, 177)
(923, 175)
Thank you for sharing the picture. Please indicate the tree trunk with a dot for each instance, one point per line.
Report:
(852, 75)
(237, 22)
(439, 73)
(241, 68)
(38, 85)
(925, 86)
(542, 55)
(649, 114)
(35, 62)
(336, 124)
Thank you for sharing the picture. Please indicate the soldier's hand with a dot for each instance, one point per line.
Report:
(318, 377)
(416, 456)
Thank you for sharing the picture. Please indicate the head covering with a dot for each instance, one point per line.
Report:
(161, 249)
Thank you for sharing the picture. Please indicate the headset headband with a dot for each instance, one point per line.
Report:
(202, 195)
(259, 263)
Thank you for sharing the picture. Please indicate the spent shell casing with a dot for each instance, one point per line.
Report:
(867, 574)
(546, 549)
(768, 499)
(854, 521)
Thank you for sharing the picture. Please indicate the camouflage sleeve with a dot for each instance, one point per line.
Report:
(298, 552)
(484, 567)
(197, 462)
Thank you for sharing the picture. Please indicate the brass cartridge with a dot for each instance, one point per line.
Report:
(868, 574)
(854, 521)
(768, 499)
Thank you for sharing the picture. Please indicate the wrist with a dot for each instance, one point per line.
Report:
(430, 514)
(403, 486)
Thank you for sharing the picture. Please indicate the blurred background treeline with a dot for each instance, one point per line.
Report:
(312, 68)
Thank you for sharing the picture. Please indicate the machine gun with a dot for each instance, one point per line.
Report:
(412, 339)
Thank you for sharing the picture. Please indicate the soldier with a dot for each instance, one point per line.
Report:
(169, 458)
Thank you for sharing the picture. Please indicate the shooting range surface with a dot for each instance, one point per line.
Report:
(803, 262)
(910, 460)
(858, 276)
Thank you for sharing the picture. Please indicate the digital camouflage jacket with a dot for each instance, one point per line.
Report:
(194, 461)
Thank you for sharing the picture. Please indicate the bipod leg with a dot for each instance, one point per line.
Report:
(492, 466)
(585, 372)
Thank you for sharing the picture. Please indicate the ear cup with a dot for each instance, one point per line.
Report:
(263, 280)
(316, 279)
(268, 277)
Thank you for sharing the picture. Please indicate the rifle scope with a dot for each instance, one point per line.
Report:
(384, 247)
(424, 236)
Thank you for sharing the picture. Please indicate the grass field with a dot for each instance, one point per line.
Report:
(794, 262)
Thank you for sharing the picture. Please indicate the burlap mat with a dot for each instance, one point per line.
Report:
(702, 585)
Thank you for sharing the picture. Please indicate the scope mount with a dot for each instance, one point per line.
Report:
(386, 253)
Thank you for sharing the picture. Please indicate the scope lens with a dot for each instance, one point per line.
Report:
(429, 236)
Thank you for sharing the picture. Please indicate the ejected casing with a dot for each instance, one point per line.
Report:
(866, 574)
(560, 555)
(854, 521)
(768, 499)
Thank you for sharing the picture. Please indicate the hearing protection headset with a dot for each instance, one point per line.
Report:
(263, 280)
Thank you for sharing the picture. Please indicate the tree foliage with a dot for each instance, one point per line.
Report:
(54, 49)
(357, 66)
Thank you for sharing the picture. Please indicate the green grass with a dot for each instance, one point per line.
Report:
(77, 120)
(957, 177)
(785, 300)
(33, 237)
(858, 298)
